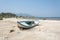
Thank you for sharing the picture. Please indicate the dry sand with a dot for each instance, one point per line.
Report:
(47, 30)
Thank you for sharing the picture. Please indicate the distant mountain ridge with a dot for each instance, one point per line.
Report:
(23, 14)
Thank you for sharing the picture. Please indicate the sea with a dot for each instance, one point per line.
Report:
(49, 18)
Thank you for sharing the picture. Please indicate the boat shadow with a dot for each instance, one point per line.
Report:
(22, 28)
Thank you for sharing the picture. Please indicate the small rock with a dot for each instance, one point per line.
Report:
(11, 31)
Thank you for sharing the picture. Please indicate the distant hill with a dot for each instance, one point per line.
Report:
(7, 15)
(23, 14)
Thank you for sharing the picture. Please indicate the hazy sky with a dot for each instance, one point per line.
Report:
(40, 8)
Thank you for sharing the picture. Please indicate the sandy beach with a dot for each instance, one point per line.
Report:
(47, 30)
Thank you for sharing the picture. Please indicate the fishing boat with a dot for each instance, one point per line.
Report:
(27, 24)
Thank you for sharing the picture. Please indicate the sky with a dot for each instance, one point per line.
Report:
(38, 8)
